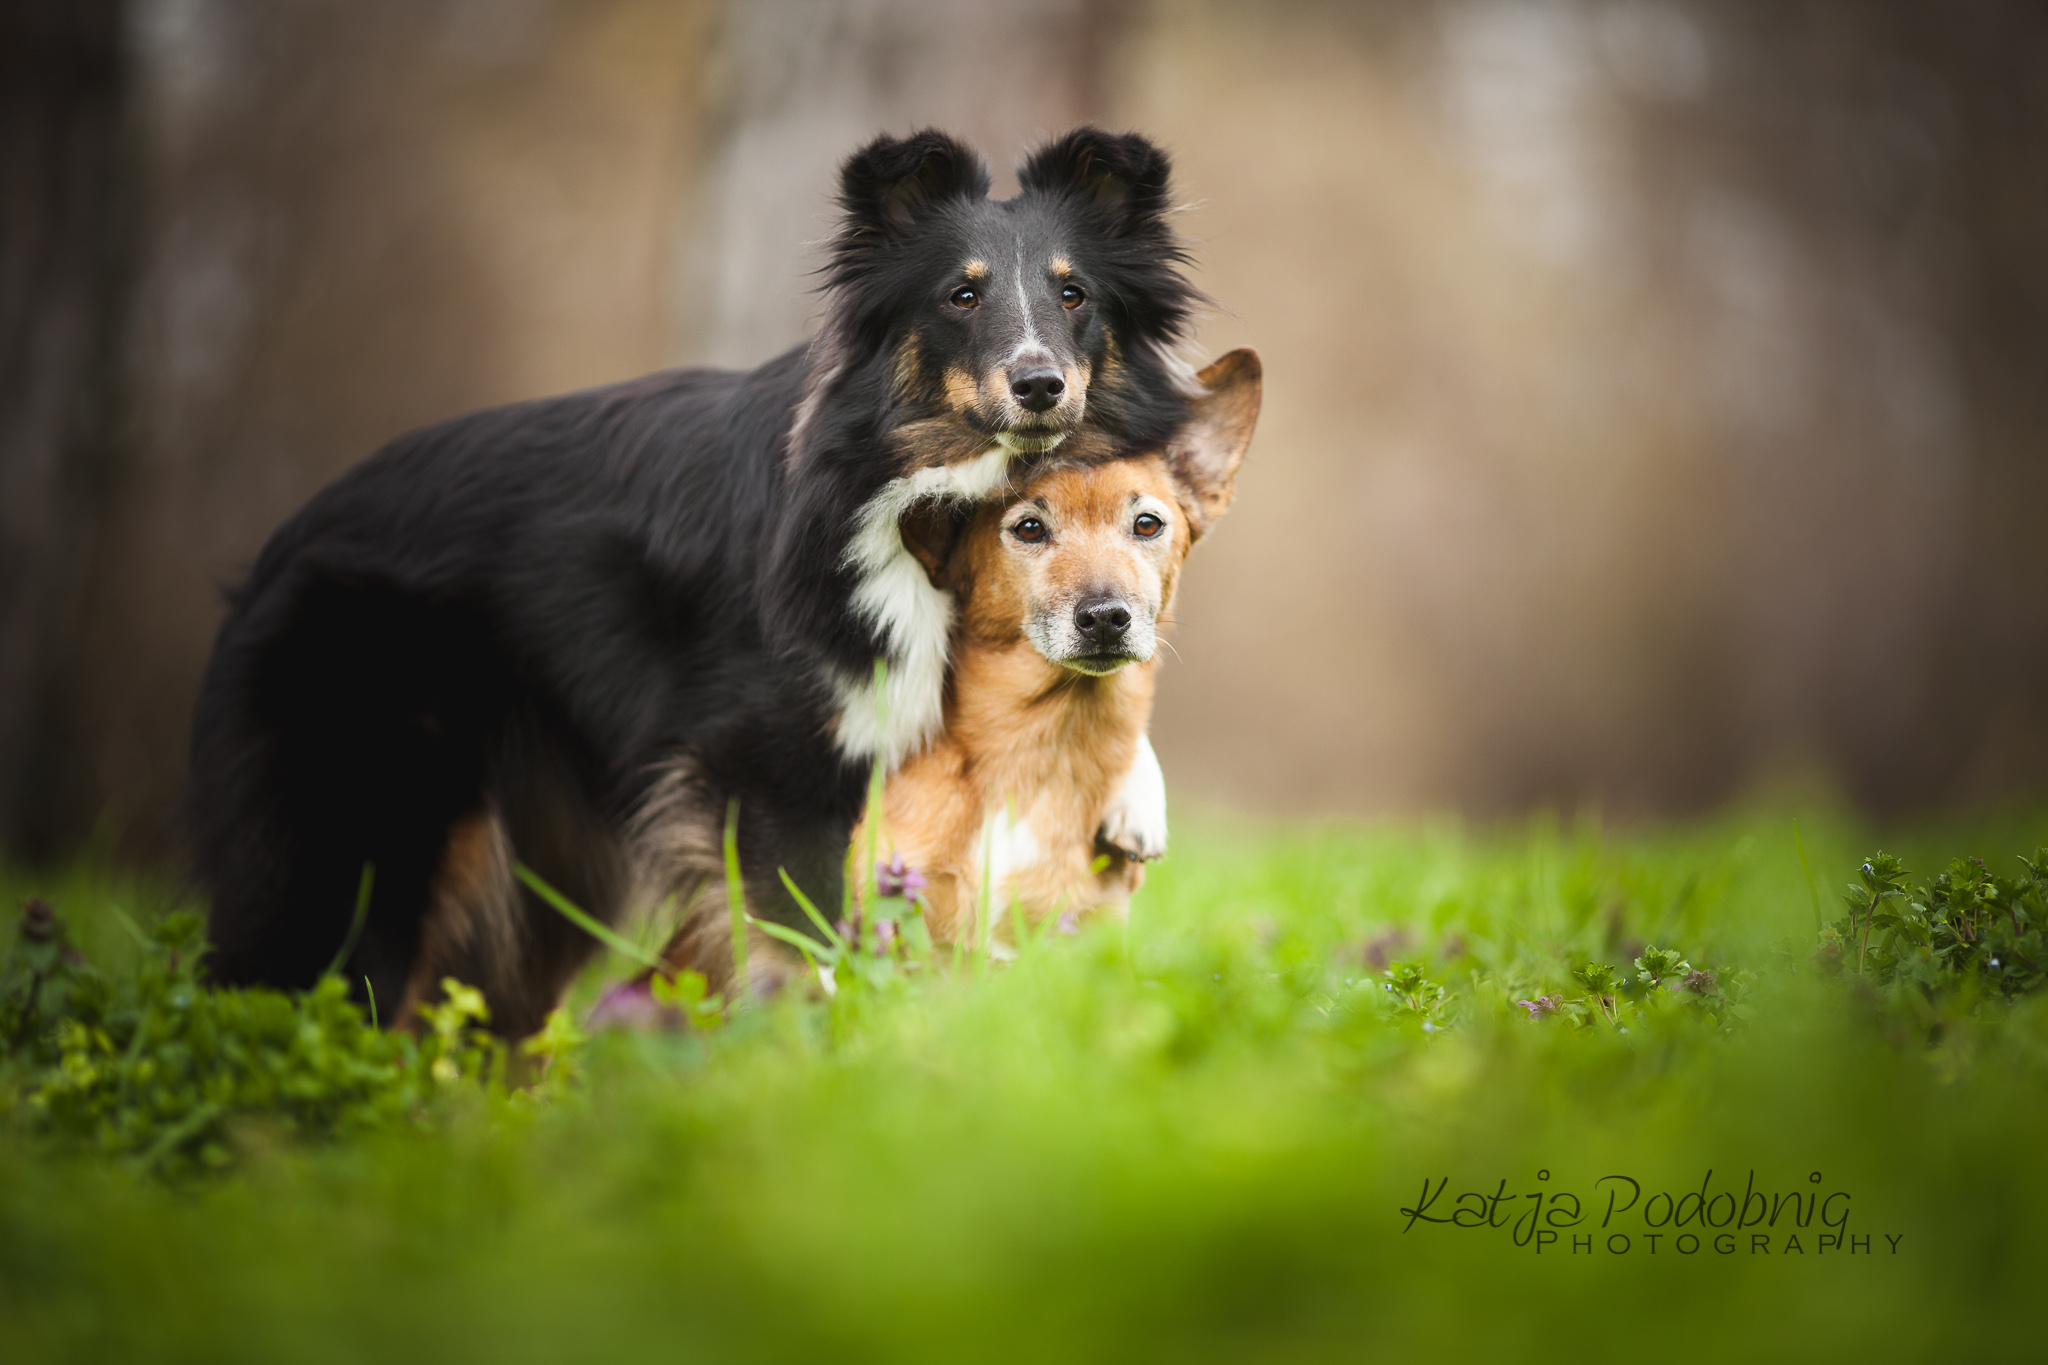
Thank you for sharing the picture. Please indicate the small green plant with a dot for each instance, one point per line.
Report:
(1416, 996)
(1663, 981)
(1967, 936)
(158, 1068)
(875, 943)
(1598, 1003)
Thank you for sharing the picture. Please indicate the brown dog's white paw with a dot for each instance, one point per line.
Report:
(1135, 820)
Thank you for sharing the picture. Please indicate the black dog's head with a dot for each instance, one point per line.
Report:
(1015, 320)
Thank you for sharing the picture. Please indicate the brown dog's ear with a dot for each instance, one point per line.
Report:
(1205, 454)
(931, 529)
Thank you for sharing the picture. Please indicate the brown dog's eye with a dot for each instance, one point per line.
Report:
(964, 299)
(1030, 530)
(1148, 525)
(1072, 297)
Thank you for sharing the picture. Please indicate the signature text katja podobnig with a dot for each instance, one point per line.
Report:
(1619, 1217)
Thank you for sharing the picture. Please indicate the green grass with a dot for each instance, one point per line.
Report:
(1187, 1140)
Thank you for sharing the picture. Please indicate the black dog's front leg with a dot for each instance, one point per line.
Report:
(788, 834)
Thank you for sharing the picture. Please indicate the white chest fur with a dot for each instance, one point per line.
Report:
(913, 618)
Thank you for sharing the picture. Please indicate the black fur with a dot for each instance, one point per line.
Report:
(538, 609)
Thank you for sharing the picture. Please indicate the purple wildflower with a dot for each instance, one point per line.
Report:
(1699, 982)
(631, 1004)
(1541, 1005)
(1380, 949)
(897, 878)
(885, 936)
(38, 921)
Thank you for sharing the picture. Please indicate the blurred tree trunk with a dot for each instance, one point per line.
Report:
(804, 82)
(63, 86)
(358, 216)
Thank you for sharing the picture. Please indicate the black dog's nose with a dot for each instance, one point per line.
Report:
(1038, 388)
(1102, 622)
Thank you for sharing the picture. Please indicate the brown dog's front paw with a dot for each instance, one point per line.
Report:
(1135, 821)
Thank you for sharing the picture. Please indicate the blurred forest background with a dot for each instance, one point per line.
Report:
(1658, 392)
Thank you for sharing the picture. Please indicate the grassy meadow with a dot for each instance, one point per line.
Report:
(1210, 1134)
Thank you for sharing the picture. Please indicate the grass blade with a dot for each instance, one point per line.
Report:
(618, 943)
(1811, 894)
(355, 925)
(804, 902)
(803, 943)
(862, 884)
(736, 900)
(142, 940)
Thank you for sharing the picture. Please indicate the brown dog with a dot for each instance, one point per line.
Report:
(1042, 777)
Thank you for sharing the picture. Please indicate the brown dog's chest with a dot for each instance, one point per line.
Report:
(1011, 794)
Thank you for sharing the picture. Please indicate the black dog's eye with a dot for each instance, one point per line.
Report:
(1072, 297)
(965, 298)
(1148, 525)
(1030, 530)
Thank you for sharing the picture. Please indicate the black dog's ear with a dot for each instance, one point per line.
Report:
(1205, 454)
(1121, 172)
(892, 182)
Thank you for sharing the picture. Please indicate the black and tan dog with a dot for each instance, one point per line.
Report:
(567, 633)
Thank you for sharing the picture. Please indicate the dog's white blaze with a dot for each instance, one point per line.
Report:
(913, 618)
(1135, 820)
(1030, 341)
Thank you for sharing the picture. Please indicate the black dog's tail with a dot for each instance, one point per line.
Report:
(341, 724)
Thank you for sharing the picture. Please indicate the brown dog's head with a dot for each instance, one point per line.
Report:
(1082, 560)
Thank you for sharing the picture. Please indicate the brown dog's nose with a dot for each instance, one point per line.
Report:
(1038, 388)
(1101, 622)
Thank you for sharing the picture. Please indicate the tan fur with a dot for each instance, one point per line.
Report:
(1205, 453)
(1112, 359)
(962, 390)
(483, 928)
(936, 441)
(909, 375)
(988, 398)
(678, 862)
(471, 914)
(994, 392)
